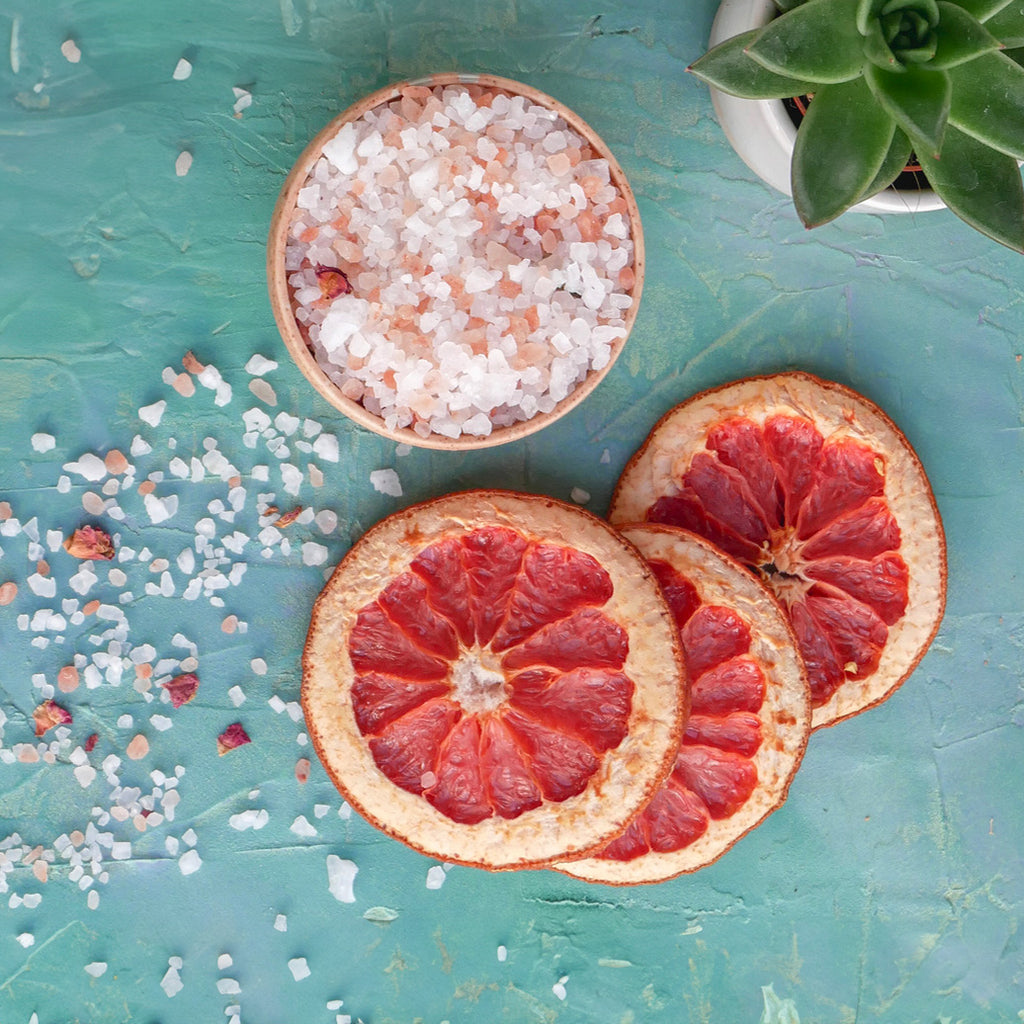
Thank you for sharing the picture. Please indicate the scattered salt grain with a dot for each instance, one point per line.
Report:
(579, 496)
(90, 467)
(340, 878)
(299, 968)
(263, 391)
(224, 961)
(97, 968)
(386, 482)
(228, 987)
(313, 553)
(182, 70)
(26, 939)
(190, 862)
(259, 666)
(436, 876)
(72, 54)
(151, 414)
(502, 954)
(559, 986)
(258, 365)
(172, 983)
(326, 447)
(251, 819)
(43, 442)
(183, 163)
(281, 923)
(237, 696)
(301, 827)
(243, 99)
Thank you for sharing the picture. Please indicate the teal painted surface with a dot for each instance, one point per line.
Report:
(888, 888)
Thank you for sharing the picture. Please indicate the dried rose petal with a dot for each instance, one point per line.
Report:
(332, 281)
(49, 714)
(90, 544)
(288, 518)
(181, 689)
(233, 736)
(90, 743)
(302, 769)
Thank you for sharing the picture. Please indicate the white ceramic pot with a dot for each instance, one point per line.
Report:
(761, 131)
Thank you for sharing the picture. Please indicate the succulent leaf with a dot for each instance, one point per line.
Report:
(961, 37)
(981, 186)
(815, 42)
(840, 148)
(867, 12)
(1008, 25)
(876, 49)
(909, 29)
(988, 102)
(727, 67)
(917, 100)
(892, 166)
(983, 9)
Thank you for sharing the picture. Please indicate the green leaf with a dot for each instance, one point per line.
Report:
(961, 37)
(1008, 25)
(983, 9)
(816, 42)
(867, 12)
(988, 102)
(727, 67)
(876, 49)
(981, 186)
(892, 166)
(917, 99)
(840, 146)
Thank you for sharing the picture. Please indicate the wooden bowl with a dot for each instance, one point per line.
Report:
(283, 303)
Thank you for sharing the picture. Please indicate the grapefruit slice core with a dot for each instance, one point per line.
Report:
(750, 715)
(495, 679)
(813, 487)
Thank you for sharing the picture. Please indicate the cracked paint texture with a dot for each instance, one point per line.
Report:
(888, 888)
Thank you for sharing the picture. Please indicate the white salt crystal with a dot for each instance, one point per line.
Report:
(281, 923)
(559, 986)
(89, 466)
(224, 961)
(171, 983)
(313, 553)
(183, 163)
(386, 482)
(182, 70)
(340, 878)
(160, 509)
(26, 939)
(152, 415)
(237, 696)
(259, 365)
(580, 496)
(301, 827)
(259, 666)
(43, 442)
(243, 99)
(43, 586)
(340, 151)
(299, 968)
(502, 954)
(189, 862)
(326, 520)
(97, 968)
(326, 447)
(435, 877)
(251, 819)
(228, 987)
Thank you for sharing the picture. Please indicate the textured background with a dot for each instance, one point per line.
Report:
(888, 887)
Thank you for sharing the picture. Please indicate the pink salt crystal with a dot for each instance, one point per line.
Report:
(302, 769)
(192, 364)
(115, 462)
(229, 624)
(50, 714)
(184, 385)
(559, 164)
(233, 736)
(138, 748)
(67, 679)
(5, 511)
(8, 592)
(181, 689)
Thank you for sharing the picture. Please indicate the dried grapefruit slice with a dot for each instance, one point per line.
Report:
(750, 716)
(814, 487)
(495, 679)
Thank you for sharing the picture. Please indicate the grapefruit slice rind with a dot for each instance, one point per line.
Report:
(854, 546)
(780, 721)
(559, 603)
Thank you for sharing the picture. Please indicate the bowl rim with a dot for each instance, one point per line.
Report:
(281, 301)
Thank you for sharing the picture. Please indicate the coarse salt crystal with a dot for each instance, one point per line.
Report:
(340, 878)
(281, 923)
(72, 54)
(386, 482)
(43, 442)
(299, 968)
(183, 163)
(97, 968)
(151, 414)
(435, 877)
(182, 70)
(301, 827)
(259, 365)
(190, 862)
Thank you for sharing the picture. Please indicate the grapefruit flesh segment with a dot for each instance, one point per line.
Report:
(749, 721)
(813, 487)
(521, 695)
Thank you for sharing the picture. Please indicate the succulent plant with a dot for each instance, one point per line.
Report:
(888, 78)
